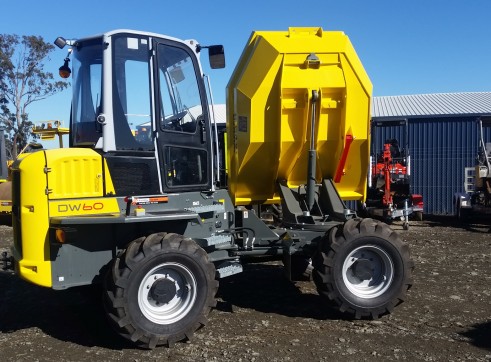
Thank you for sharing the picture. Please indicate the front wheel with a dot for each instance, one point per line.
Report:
(160, 290)
(363, 268)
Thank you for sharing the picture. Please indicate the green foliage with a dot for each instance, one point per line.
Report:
(23, 81)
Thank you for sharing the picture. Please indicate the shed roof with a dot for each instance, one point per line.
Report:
(434, 105)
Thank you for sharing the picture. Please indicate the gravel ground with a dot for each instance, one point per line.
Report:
(262, 317)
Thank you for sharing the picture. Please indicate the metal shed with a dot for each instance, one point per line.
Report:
(443, 140)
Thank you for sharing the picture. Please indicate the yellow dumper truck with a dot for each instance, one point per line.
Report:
(140, 209)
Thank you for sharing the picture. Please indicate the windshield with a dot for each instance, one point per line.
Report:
(87, 85)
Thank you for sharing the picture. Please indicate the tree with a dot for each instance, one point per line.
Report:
(23, 81)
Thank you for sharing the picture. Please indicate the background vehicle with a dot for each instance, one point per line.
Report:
(147, 217)
(5, 189)
(389, 194)
(476, 200)
(47, 131)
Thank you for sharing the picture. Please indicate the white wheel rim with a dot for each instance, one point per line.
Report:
(368, 272)
(181, 280)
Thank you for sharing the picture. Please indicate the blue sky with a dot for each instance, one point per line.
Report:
(407, 47)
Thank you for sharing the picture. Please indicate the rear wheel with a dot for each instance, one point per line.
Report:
(363, 268)
(160, 290)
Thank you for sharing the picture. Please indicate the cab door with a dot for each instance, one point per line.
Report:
(182, 119)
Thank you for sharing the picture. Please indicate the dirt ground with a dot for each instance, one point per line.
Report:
(262, 317)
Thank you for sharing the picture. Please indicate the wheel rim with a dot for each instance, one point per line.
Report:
(368, 272)
(167, 293)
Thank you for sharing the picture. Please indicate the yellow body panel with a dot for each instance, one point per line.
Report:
(56, 183)
(34, 264)
(74, 173)
(269, 114)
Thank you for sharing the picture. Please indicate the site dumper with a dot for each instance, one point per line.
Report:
(135, 202)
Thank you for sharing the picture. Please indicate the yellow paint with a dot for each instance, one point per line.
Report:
(74, 173)
(269, 113)
(34, 264)
(69, 182)
(5, 206)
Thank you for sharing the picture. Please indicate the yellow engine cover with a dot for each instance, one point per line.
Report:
(269, 113)
(55, 183)
(74, 173)
(77, 181)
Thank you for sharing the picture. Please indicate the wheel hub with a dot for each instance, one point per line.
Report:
(368, 271)
(163, 291)
(362, 269)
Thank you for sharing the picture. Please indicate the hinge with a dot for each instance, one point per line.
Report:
(48, 191)
(47, 169)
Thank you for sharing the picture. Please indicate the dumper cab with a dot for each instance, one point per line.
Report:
(150, 117)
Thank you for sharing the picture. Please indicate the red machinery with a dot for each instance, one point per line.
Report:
(389, 191)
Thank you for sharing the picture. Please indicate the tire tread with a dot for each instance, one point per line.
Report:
(324, 261)
(117, 283)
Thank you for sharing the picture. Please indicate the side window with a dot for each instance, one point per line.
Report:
(180, 101)
(132, 110)
(185, 166)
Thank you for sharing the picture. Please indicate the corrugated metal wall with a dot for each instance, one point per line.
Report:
(440, 149)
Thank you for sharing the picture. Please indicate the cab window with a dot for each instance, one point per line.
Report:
(131, 89)
(180, 101)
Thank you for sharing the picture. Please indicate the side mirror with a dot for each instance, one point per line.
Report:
(217, 56)
(60, 42)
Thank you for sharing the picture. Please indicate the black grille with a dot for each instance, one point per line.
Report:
(133, 176)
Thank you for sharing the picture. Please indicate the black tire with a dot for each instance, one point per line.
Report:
(160, 290)
(384, 266)
(418, 215)
(361, 209)
(301, 268)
